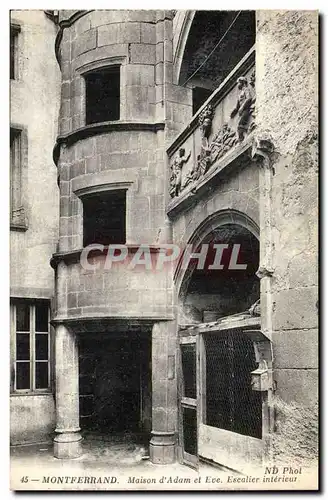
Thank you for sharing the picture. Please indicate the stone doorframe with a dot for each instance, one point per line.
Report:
(68, 439)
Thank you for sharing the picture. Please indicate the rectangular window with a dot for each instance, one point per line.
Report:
(15, 169)
(104, 218)
(31, 345)
(14, 30)
(18, 151)
(103, 95)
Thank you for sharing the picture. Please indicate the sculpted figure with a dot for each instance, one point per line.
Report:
(222, 142)
(251, 125)
(204, 161)
(205, 122)
(190, 177)
(199, 168)
(176, 172)
(242, 107)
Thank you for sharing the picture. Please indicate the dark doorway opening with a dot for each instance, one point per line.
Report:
(115, 383)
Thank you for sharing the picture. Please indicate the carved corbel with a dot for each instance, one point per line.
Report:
(262, 150)
(263, 272)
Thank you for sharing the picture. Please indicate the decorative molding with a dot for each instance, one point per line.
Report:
(17, 292)
(104, 321)
(73, 257)
(100, 63)
(67, 23)
(103, 181)
(102, 128)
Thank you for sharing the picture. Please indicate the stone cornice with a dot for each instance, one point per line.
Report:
(73, 256)
(101, 321)
(66, 23)
(103, 128)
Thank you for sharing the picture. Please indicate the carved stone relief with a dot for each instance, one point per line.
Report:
(176, 172)
(223, 140)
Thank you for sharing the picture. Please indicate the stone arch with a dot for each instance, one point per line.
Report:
(201, 233)
(181, 28)
(227, 201)
(207, 45)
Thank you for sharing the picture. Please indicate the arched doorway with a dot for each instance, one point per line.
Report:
(223, 353)
(223, 286)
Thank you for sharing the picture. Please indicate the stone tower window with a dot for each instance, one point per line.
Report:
(103, 95)
(104, 216)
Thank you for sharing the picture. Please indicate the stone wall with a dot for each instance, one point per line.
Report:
(34, 107)
(116, 292)
(237, 191)
(129, 154)
(141, 41)
(32, 419)
(287, 110)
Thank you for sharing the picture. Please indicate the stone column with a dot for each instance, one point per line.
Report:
(164, 393)
(67, 443)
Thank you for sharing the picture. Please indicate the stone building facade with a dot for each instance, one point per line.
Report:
(192, 129)
(34, 218)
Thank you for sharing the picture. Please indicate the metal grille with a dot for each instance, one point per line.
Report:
(188, 356)
(190, 430)
(230, 402)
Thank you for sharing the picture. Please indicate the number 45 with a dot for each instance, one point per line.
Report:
(24, 479)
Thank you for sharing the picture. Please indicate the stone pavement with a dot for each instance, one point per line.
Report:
(105, 465)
